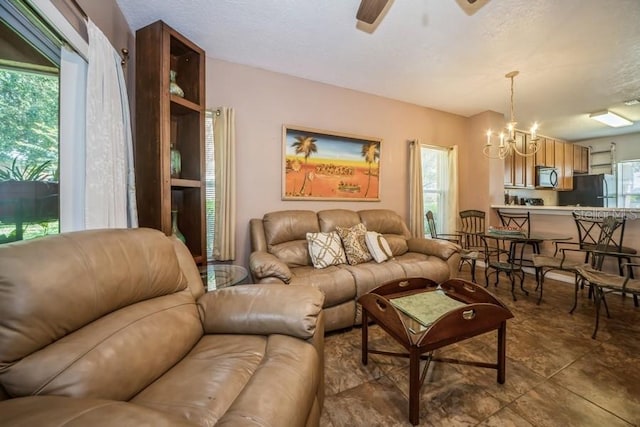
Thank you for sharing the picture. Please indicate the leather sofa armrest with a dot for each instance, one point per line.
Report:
(264, 265)
(443, 249)
(67, 411)
(262, 310)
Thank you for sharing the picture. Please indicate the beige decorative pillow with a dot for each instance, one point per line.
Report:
(378, 246)
(354, 243)
(325, 249)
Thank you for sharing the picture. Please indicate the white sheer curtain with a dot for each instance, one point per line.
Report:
(224, 137)
(451, 224)
(416, 204)
(109, 184)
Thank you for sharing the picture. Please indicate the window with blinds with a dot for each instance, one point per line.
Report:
(210, 181)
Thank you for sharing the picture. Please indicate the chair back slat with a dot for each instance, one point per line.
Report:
(608, 227)
(590, 232)
(521, 221)
(473, 224)
(432, 225)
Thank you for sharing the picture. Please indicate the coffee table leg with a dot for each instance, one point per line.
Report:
(365, 337)
(502, 351)
(414, 386)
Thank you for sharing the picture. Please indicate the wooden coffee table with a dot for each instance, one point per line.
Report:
(457, 310)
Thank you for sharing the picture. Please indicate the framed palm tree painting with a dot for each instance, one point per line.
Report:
(321, 165)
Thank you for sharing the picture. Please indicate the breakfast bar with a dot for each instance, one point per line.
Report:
(559, 219)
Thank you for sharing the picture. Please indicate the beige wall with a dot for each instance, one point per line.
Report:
(264, 101)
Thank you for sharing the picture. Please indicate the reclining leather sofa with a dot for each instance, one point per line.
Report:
(280, 255)
(113, 327)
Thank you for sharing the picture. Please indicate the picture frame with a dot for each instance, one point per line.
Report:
(324, 165)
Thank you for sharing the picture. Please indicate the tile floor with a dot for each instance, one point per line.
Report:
(556, 374)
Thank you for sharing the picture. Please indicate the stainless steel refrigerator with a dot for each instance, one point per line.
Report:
(590, 190)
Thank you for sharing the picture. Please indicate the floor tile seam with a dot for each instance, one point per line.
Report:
(558, 384)
(580, 357)
(364, 381)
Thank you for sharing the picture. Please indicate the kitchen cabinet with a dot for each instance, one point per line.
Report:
(518, 161)
(169, 120)
(558, 155)
(519, 171)
(529, 166)
(567, 176)
(580, 159)
(508, 171)
(546, 155)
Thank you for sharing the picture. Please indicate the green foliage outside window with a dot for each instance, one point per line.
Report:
(28, 141)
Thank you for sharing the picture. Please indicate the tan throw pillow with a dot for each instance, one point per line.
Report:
(325, 249)
(378, 246)
(354, 243)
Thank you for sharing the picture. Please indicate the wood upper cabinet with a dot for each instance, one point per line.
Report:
(567, 176)
(580, 159)
(508, 171)
(529, 165)
(164, 119)
(519, 161)
(519, 171)
(546, 155)
(558, 150)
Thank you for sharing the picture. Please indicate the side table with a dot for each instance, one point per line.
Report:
(477, 312)
(218, 276)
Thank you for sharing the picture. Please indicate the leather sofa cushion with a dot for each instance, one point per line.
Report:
(331, 218)
(390, 225)
(286, 235)
(67, 288)
(384, 221)
(67, 411)
(275, 376)
(420, 265)
(285, 226)
(294, 253)
(114, 357)
(337, 284)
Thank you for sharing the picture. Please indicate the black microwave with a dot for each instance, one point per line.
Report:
(546, 177)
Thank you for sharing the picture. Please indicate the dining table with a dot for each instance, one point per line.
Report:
(519, 238)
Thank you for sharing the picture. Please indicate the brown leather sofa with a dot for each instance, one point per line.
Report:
(280, 255)
(112, 327)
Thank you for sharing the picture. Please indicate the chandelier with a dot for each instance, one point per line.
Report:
(507, 137)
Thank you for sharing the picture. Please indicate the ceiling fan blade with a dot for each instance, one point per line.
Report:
(369, 10)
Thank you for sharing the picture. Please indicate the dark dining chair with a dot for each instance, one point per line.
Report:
(602, 283)
(466, 256)
(521, 221)
(547, 263)
(589, 230)
(472, 226)
(498, 259)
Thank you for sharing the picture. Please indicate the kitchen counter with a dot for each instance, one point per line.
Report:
(566, 210)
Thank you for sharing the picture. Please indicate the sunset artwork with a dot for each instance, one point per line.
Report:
(328, 166)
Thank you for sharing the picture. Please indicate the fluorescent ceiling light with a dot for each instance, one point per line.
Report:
(610, 119)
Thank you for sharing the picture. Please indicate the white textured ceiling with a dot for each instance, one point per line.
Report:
(575, 56)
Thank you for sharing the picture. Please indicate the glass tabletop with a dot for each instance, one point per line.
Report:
(218, 276)
(533, 235)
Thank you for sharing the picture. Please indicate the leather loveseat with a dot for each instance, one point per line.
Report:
(112, 327)
(280, 255)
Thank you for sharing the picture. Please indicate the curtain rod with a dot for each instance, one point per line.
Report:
(437, 147)
(124, 50)
(80, 9)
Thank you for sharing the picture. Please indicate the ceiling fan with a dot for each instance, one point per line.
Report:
(370, 10)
